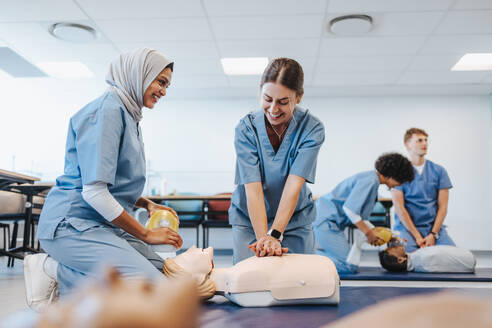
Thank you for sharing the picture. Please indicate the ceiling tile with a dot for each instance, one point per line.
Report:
(177, 49)
(371, 46)
(17, 66)
(445, 77)
(252, 81)
(355, 79)
(433, 63)
(190, 67)
(35, 33)
(269, 48)
(488, 79)
(119, 9)
(70, 52)
(472, 4)
(198, 81)
(32, 10)
(154, 30)
(363, 64)
(361, 6)
(422, 23)
(459, 44)
(272, 27)
(466, 22)
(263, 8)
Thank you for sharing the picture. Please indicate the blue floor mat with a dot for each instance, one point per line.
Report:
(377, 273)
(352, 299)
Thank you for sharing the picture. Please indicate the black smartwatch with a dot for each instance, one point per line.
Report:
(275, 234)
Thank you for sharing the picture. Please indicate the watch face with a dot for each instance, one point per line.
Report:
(276, 234)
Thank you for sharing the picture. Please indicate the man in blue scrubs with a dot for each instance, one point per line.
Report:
(421, 206)
(352, 201)
(277, 148)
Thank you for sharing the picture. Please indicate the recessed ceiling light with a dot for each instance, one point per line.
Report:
(474, 62)
(73, 32)
(244, 65)
(351, 25)
(66, 70)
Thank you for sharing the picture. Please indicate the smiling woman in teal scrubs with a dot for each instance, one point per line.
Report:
(277, 148)
(85, 222)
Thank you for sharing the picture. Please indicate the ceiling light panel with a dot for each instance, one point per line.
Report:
(474, 62)
(244, 65)
(66, 70)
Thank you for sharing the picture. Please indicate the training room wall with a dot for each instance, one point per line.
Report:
(190, 143)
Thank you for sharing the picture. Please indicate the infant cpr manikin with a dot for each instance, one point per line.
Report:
(261, 281)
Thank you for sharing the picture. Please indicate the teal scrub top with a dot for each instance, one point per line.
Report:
(256, 161)
(358, 193)
(421, 195)
(104, 144)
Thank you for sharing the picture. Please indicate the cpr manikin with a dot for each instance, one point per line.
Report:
(261, 281)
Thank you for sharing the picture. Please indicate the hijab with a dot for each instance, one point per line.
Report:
(132, 73)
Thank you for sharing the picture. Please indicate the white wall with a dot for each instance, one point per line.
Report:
(191, 142)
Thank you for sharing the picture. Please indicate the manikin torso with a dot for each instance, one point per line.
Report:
(265, 281)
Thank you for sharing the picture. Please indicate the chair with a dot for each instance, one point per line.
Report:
(217, 216)
(190, 212)
(12, 210)
(380, 217)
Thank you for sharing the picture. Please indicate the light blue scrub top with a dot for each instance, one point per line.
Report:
(257, 162)
(358, 193)
(421, 195)
(103, 144)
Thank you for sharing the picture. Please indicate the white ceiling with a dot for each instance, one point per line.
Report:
(410, 49)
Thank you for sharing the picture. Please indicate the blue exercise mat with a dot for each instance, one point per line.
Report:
(352, 299)
(377, 273)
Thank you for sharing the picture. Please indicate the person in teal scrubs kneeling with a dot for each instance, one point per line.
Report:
(351, 202)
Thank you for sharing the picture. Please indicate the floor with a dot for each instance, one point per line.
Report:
(12, 294)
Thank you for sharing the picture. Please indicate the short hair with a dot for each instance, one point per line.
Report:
(396, 166)
(287, 72)
(390, 262)
(410, 132)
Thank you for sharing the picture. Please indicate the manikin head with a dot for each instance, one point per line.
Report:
(416, 142)
(394, 169)
(106, 304)
(197, 263)
(394, 258)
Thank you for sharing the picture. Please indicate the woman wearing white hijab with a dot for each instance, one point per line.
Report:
(85, 222)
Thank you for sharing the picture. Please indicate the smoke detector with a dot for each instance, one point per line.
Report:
(73, 32)
(351, 25)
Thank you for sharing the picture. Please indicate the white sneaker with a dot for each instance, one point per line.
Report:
(41, 289)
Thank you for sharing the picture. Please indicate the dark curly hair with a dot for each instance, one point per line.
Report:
(396, 166)
(390, 262)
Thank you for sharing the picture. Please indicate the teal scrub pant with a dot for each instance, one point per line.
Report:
(298, 240)
(84, 254)
(333, 244)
